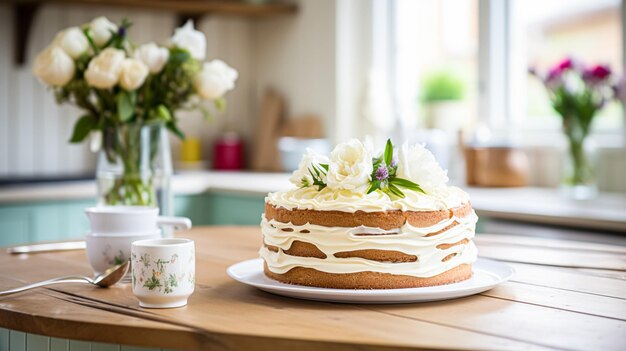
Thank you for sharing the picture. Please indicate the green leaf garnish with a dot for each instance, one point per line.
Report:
(407, 184)
(317, 172)
(374, 186)
(388, 152)
(395, 191)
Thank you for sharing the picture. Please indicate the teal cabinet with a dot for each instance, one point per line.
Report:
(221, 208)
(42, 221)
(235, 209)
(62, 220)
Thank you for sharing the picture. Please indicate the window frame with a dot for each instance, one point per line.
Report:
(502, 113)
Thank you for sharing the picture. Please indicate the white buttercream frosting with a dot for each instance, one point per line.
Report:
(349, 201)
(407, 239)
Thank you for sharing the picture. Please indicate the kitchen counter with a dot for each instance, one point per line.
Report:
(538, 205)
(187, 183)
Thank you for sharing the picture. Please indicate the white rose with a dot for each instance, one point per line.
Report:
(54, 67)
(215, 79)
(133, 74)
(73, 41)
(104, 70)
(101, 30)
(418, 164)
(301, 177)
(350, 167)
(153, 56)
(186, 37)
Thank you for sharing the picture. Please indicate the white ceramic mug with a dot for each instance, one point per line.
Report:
(163, 272)
(124, 220)
(105, 250)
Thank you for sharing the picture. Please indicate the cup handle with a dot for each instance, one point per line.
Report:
(179, 223)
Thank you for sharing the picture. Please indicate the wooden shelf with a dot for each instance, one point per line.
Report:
(24, 12)
(196, 7)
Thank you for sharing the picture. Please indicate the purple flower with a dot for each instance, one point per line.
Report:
(382, 173)
(565, 64)
(121, 31)
(596, 74)
(555, 74)
(554, 78)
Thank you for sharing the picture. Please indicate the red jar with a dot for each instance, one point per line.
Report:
(228, 153)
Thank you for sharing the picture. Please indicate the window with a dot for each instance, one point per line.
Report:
(490, 45)
(434, 39)
(545, 31)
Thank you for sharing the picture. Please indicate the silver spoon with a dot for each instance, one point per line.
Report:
(106, 279)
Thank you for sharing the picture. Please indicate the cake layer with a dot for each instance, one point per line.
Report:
(368, 280)
(304, 249)
(422, 252)
(387, 220)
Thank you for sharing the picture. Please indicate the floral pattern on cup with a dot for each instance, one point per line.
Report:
(153, 275)
(116, 259)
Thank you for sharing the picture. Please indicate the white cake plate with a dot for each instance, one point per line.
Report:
(487, 274)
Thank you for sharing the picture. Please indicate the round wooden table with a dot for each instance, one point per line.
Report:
(565, 295)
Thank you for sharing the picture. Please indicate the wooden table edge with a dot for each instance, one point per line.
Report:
(179, 339)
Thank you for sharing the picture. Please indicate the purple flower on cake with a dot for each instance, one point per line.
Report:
(382, 173)
(394, 161)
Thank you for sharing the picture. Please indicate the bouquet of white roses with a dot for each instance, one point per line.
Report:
(120, 85)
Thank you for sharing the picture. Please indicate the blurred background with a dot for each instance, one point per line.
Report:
(453, 74)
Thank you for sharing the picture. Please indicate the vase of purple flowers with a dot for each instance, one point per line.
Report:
(577, 93)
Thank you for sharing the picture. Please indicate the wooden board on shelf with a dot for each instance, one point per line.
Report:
(265, 154)
(307, 127)
(236, 8)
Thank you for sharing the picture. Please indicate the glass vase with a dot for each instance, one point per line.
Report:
(135, 167)
(578, 179)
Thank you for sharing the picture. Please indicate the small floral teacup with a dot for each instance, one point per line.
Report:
(163, 272)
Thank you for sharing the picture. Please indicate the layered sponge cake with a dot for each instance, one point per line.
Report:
(362, 220)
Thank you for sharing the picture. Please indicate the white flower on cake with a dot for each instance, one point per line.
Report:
(73, 41)
(418, 164)
(302, 176)
(350, 167)
(54, 67)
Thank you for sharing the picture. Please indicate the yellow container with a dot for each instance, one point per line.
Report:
(190, 150)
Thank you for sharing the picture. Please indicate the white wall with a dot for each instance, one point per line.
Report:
(296, 56)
